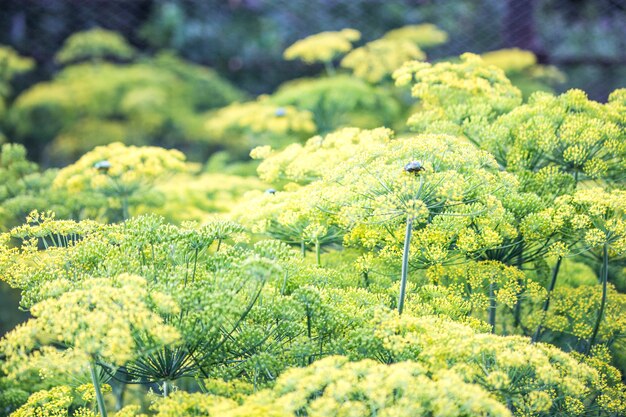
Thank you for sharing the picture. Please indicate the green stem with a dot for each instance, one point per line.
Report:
(303, 248)
(405, 263)
(125, 213)
(309, 331)
(96, 386)
(318, 253)
(195, 265)
(605, 278)
(330, 69)
(492, 307)
(165, 389)
(546, 304)
(284, 286)
(517, 312)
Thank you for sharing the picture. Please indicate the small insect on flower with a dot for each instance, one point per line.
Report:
(270, 191)
(414, 167)
(102, 166)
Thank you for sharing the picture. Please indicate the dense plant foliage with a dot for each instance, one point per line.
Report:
(470, 263)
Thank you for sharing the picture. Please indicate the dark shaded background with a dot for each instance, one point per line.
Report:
(244, 39)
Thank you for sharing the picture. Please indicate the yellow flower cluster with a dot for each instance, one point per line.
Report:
(12, 63)
(340, 101)
(305, 163)
(533, 379)
(573, 311)
(56, 402)
(377, 60)
(254, 123)
(118, 176)
(510, 60)
(424, 35)
(337, 387)
(199, 197)
(569, 134)
(94, 44)
(322, 47)
(127, 168)
(470, 88)
(102, 318)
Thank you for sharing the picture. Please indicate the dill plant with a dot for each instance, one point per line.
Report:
(444, 250)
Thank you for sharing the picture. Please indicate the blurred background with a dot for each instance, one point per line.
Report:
(59, 109)
(244, 39)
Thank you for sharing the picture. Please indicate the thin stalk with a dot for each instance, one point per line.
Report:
(492, 307)
(219, 244)
(284, 286)
(309, 331)
(405, 262)
(96, 386)
(165, 389)
(125, 213)
(154, 267)
(195, 265)
(546, 304)
(303, 249)
(318, 253)
(517, 312)
(330, 69)
(605, 278)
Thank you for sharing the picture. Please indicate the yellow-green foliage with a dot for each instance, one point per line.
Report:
(573, 311)
(56, 402)
(100, 319)
(183, 404)
(522, 69)
(495, 217)
(159, 98)
(24, 188)
(452, 93)
(377, 60)
(322, 47)
(425, 35)
(336, 387)
(12, 64)
(556, 135)
(340, 101)
(309, 162)
(94, 44)
(117, 176)
(240, 127)
(185, 197)
(532, 379)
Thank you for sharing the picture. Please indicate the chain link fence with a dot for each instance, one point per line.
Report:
(244, 39)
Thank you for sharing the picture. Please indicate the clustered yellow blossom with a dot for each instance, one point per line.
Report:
(94, 44)
(532, 378)
(377, 60)
(12, 63)
(102, 318)
(571, 133)
(56, 402)
(261, 121)
(424, 35)
(459, 90)
(322, 47)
